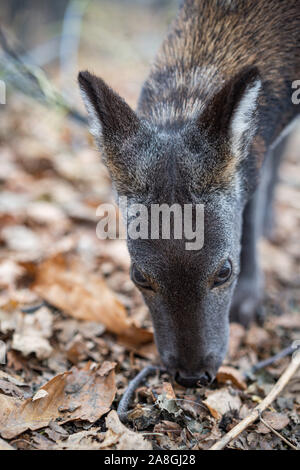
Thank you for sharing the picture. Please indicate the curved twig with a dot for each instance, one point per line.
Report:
(278, 434)
(257, 411)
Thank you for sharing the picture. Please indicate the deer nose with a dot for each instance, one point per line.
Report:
(193, 381)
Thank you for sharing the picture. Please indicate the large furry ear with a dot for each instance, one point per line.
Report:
(232, 112)
(114, 126)
(111, 119)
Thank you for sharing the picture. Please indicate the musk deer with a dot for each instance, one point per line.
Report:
(210, 127)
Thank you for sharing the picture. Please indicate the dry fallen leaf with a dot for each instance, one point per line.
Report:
(45, 213)
(83, 440)
(276, 260)
(237, 334)
(40, 394)
(221, 401)
(117, 251)
(167, 400)
(85, 296)
(169, 427)
(9, 272)
(13, 380)
(257, 338)
(277, 421)
(149, 351)
(9, 388)
(32, 333)
(168, 391)
(288, 321)
(122, 438)
(227, 373)
(5, 445)
(22, 239)
(80, 394)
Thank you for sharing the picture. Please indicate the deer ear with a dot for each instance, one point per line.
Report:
(115, 127)
(232, 113)
(111, 119)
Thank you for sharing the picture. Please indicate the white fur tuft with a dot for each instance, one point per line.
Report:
(94, 120)
(243, 124)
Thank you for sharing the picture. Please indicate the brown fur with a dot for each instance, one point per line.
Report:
(209, 42)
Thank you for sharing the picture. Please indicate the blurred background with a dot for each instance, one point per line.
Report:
(117, 39)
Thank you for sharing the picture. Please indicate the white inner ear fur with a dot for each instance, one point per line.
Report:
(243, 123)
(94, 120)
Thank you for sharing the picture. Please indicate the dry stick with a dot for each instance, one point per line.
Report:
(278, 434)
(267, 362)
(278, 387)
(41, 88)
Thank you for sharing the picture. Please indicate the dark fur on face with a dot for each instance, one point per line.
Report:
(215, 102)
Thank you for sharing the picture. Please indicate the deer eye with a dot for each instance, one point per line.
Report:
(139, 279)
(224, 274)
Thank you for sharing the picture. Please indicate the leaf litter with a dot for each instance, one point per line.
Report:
(69, 361)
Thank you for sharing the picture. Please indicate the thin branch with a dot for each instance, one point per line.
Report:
(267, 362)
(278, 434)
(33, 82)
(257, 411)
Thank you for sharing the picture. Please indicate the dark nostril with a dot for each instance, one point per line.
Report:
(203, 379)
(186, 381)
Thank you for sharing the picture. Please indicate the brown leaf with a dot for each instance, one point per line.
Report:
(237, 334)
(221, 401)
(172, 429)
(288, 321)
(168, 391)
(226, 373)
(276, 260)
(5, 445)
(84, 440)
(277, 421)
(84, 394)
(117, 251)
(32, 334)
(257, 338)
(149, 351)
(55, 432)
(76, 351)
(83, 295)
(9, 272)
(122, 438)
(45, 213)
(21, 239)
(10, 388)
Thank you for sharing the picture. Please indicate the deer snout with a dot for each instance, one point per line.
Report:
(203, 378)
(201, 374)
